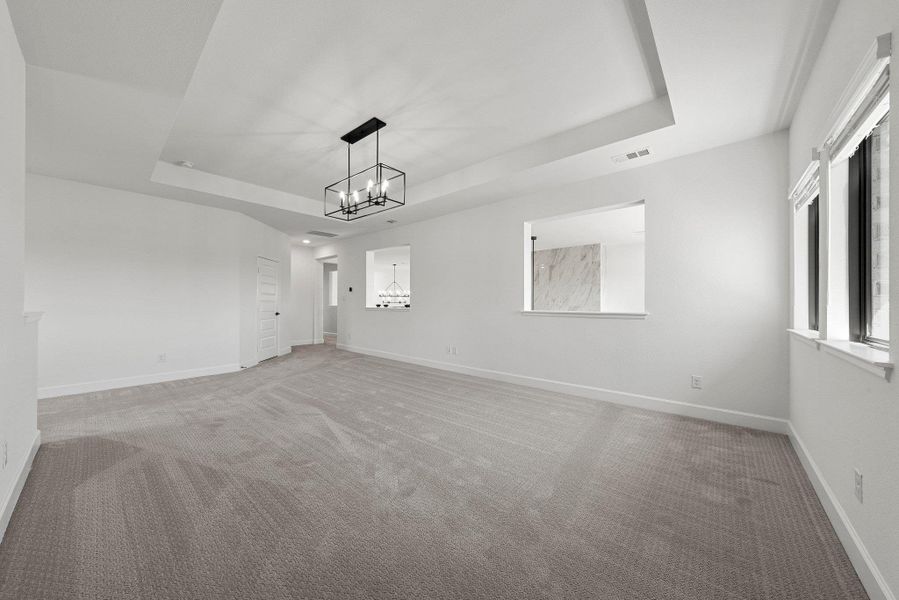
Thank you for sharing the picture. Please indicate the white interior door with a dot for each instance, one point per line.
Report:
(266, 308)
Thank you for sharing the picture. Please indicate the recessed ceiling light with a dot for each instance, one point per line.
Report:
(306, 242)
(185, 163)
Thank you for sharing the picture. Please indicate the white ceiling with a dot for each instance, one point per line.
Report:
(108, 40)
(457, 82)
(623, 225)
(386, 257)
(483, 99)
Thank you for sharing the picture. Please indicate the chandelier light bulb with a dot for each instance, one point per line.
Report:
(342, 199)
(355, 197)
(384, 185)
(370, 185)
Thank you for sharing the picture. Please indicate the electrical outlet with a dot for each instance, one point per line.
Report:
(859, 486)
(696, 382)
(454, 350)
(161, 358)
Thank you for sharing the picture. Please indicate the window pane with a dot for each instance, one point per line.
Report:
(813, 234)
(332, 288)
(879, 325)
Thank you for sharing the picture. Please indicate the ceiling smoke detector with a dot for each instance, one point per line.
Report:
(622, 158)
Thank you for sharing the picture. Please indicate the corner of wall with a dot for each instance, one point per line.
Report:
(8, 504)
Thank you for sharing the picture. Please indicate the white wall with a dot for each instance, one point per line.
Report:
(623, 278)
(719, 304)
(300, 312)
(18, 412)
(845, 417)
(125, 277)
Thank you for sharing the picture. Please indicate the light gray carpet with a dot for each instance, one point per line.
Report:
(330, 475)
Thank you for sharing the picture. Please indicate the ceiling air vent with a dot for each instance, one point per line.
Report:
(621, 158)
(322, 233)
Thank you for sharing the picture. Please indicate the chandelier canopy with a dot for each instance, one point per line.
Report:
(372, 190)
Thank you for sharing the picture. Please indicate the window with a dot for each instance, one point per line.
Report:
(589, 262)
(869, 306)
(388, 278)
(807, 214)
(813, 265)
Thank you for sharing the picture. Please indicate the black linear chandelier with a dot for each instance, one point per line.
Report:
(370, 191)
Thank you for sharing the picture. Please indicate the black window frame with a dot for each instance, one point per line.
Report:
(814, 288)
(860, 242)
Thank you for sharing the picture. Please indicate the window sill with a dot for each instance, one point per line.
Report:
(592, 315)
(861, 355)
(808, 336)
(391, 309)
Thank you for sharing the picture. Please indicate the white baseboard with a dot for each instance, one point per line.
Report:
(867, 570)
(320, 340)
(675, 407)
(283, 351)
(329, 333)
(9, 503)
(305, 342)
(111, 384)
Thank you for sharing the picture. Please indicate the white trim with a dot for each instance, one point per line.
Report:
(863, 356)
(9, 503)
(283, 351)
(808, 336)
(826, 211)
(807, 187)
(306, 342)
(875, 108)
(867, 570)
(575, 313)
(388, 309)
(674, 407)
(123, 382)
(32, 317)
(320, 340)
(860, 85)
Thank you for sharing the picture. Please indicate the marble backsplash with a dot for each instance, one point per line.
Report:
(568, 279)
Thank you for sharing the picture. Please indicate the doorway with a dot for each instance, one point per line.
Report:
(330, 289)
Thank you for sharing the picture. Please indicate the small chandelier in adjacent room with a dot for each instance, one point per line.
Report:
(394, 294)
(367, 192)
